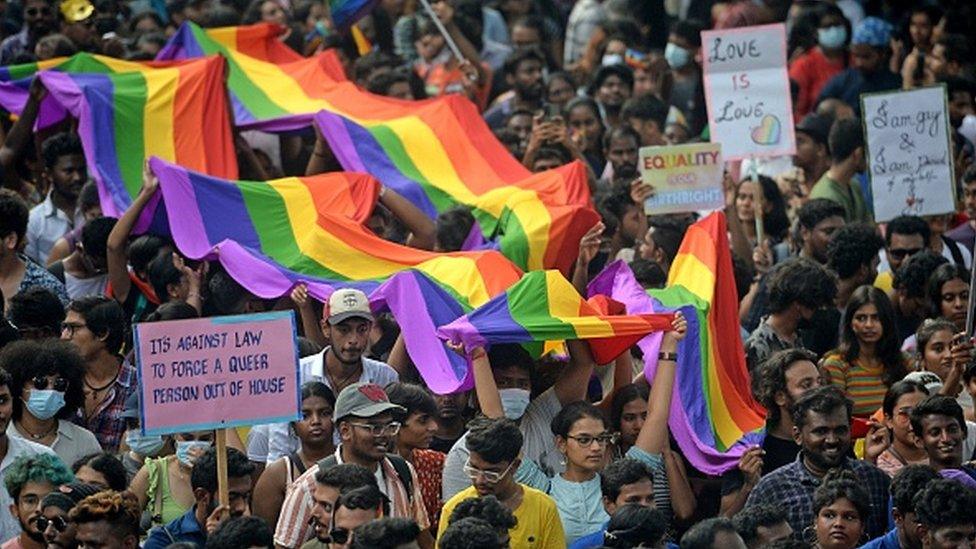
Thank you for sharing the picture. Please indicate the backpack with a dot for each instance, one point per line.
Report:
(399, 465)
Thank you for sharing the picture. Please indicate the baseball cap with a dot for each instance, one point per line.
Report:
(364, 400)
(872, 31)
(348, 303)
(76, 10)
(817, 126)
(66, 496)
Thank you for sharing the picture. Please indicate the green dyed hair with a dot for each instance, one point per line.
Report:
(36, 468)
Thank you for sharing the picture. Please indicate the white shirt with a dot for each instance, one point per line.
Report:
(45, 225)
(281, 440)
(71, 443)
(16, 447)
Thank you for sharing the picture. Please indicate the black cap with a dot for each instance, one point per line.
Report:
(816, 126)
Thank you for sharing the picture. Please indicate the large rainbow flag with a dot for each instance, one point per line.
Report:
(438, 153)
(544, 307)
(272, 235)
(128, 112)
(714, 417)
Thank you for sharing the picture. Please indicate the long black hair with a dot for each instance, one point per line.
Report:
(888, 348)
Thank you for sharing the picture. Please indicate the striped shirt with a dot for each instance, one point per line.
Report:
(860, 383)
(294, 522)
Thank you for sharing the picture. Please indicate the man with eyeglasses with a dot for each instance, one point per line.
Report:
(905, 236)
(367, 423)
(494, 447)
(346, 323)
(39, 21)
(28, 480)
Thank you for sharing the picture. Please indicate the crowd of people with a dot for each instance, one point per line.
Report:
(854, 333)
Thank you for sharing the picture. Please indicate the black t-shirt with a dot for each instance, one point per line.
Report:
(779, 452)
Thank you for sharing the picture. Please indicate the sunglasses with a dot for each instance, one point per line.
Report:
(900, 253)
(58, 523)
(41, 383)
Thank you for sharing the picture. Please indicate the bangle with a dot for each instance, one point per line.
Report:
(673, 357)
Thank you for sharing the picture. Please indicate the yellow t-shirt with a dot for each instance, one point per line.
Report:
(539, 526)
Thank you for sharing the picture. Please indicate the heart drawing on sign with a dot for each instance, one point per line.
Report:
(768, 131)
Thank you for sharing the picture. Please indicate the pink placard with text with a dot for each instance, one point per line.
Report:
(219, 372)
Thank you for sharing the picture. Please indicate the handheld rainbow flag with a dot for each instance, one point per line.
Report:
(346, 12)
(714, 417)
(542, 307)
(126, 117)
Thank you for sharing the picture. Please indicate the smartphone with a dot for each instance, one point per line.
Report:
(550, 111)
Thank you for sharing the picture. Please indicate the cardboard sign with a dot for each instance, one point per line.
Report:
(909, 153)
(213, 373)
(686, 178)
(747, 91)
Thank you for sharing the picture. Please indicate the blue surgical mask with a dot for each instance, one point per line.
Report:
(149, 445)
(183, 448)
(676, 56)
(514, 402)
(45, 403)
(612, 59)
(832, 38)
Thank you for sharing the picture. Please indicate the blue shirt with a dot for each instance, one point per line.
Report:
(887, 541)
(591, 540)
(851, 83)
(185, 528)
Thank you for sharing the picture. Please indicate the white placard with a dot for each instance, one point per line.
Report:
(747, 91)
(909, 154)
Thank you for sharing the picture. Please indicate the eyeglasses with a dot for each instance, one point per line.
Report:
(71, 328)
(587, 440)
(58, 523)
(339, 535)
(901, 253)
(41, 383)
(491, 477)
(389, 429)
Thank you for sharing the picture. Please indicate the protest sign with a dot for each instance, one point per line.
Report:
(747, 91)
(213, 373)
(908, 152)
(686, 178)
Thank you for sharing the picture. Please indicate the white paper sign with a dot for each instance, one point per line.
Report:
(747, 91)
(909, 154)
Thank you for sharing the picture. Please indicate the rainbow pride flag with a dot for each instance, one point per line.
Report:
(544, 307)
(346, 12)
(272, 235)
(438, 153)
(714, 417)
(177, 112)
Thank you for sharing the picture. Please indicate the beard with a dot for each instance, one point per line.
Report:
(32, 533)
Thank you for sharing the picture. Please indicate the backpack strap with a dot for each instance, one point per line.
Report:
(57, 270)
(954, 251)
(402, 471)
(295, 461)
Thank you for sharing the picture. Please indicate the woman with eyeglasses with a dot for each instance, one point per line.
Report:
(840, 507)
(905, 448)
(869, 359)
(314, 431)
(46, 384)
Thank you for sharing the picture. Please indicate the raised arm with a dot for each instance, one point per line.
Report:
(571, 384)
(20, 134)
(653, 436)
(484, 385)
(117, 258)
(423, 232)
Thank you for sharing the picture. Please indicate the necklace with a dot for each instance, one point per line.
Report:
(39, 436)
(338, 386)
(93, 391)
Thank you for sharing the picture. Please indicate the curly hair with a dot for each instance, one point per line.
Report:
(908, 482)
(841, 484)
(888, 348)
(58, 145)
(913, 275)
(803, 281)
(816, 210)
(120, 512)
(770, 379)
(28, 359)
(822, 400)
(488, 509)
(108, 465)
(944, 503)
(345, 477)
(36, 310)
(852, 247)
(620, 473)
(469, 533)
(14, 214)
(35, 468)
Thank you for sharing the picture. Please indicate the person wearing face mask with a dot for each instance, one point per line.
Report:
(46, 379)
(207, 513)
(162, 485)
(868, 72)
(687, 93)
(815, 67)
(141, 447)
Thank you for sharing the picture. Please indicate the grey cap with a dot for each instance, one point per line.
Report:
(364, 400)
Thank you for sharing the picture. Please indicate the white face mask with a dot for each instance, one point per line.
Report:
(514, 402)
(612, 59)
